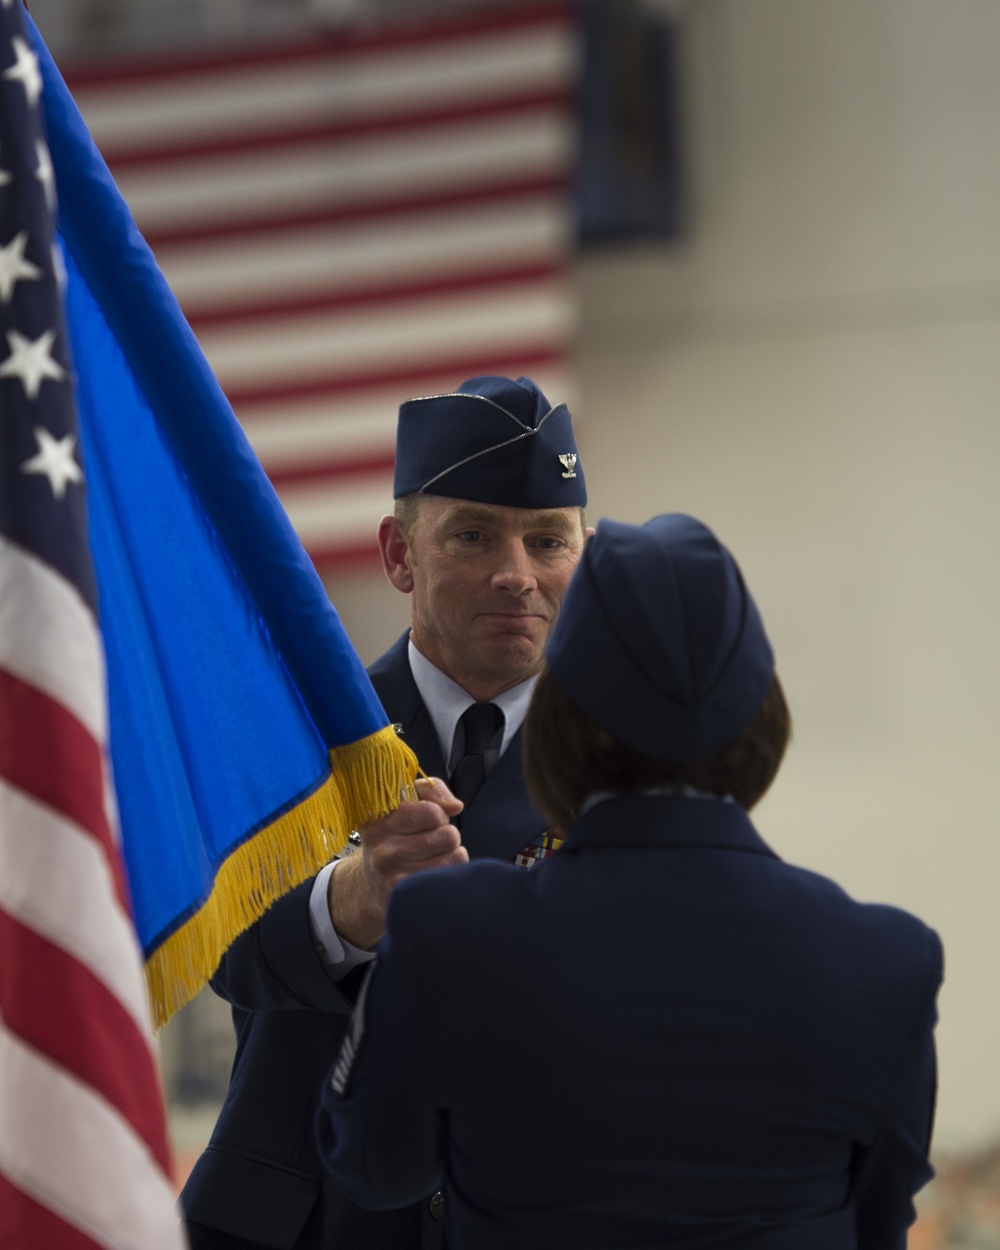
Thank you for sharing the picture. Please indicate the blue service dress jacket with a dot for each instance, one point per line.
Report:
(261, 1177)
(664, 1036)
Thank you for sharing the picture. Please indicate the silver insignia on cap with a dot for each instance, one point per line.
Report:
(568, 462)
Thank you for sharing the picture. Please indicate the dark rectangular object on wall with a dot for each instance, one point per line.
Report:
(629, 176)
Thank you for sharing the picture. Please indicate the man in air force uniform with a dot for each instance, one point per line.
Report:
(487, 530)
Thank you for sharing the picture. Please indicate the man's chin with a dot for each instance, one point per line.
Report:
(511, 656)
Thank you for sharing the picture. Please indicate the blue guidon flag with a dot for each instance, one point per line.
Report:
(245, 738)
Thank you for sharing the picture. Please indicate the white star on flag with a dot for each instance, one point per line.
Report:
(55, 460)
(45, 174)
(13, 266)
(31, 361)
(25, 70)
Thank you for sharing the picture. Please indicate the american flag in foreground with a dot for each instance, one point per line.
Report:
(83, 1149)
(353, 220)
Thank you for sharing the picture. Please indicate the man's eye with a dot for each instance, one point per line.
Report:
(470, 536)
(550, 544)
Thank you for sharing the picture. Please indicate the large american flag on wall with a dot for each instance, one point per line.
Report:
(352, 220)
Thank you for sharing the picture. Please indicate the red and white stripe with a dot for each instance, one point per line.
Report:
(352, 221)
(83, 1150)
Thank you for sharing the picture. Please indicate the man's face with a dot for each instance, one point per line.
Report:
(486, 583)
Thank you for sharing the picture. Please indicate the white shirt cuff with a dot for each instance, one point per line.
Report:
(339, 955)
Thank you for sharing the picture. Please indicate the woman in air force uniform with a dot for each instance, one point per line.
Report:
(664, 1035)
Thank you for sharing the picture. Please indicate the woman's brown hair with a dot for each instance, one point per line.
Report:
(568, 756)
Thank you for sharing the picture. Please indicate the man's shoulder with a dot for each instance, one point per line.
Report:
(393, 662)
(392, 680)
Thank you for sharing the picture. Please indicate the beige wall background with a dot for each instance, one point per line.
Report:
(815, 372)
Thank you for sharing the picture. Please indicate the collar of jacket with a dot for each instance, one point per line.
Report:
(395, 687)
(501, 818)
(636, 820)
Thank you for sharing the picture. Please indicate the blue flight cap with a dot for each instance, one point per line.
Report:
(493, 440)
(659, 641)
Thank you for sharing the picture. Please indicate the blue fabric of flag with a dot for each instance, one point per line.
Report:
(209, 736)
(230, 676)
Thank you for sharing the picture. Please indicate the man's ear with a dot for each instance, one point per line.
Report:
(395, 552)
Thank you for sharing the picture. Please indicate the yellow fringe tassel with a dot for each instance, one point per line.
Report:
(369, 779)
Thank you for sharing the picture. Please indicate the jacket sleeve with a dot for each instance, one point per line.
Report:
(275, 964)
(378, 1131)
(889, 1173)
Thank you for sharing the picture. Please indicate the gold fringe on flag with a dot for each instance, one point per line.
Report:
(368, 780)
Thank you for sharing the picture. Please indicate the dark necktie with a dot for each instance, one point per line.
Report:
(481, 722)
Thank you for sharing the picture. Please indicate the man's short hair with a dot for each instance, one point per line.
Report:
(405, 511)
(568, 756)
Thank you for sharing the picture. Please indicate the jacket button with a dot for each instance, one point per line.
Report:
(436, 1205)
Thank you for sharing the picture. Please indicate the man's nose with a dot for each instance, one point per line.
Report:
(515, 571)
